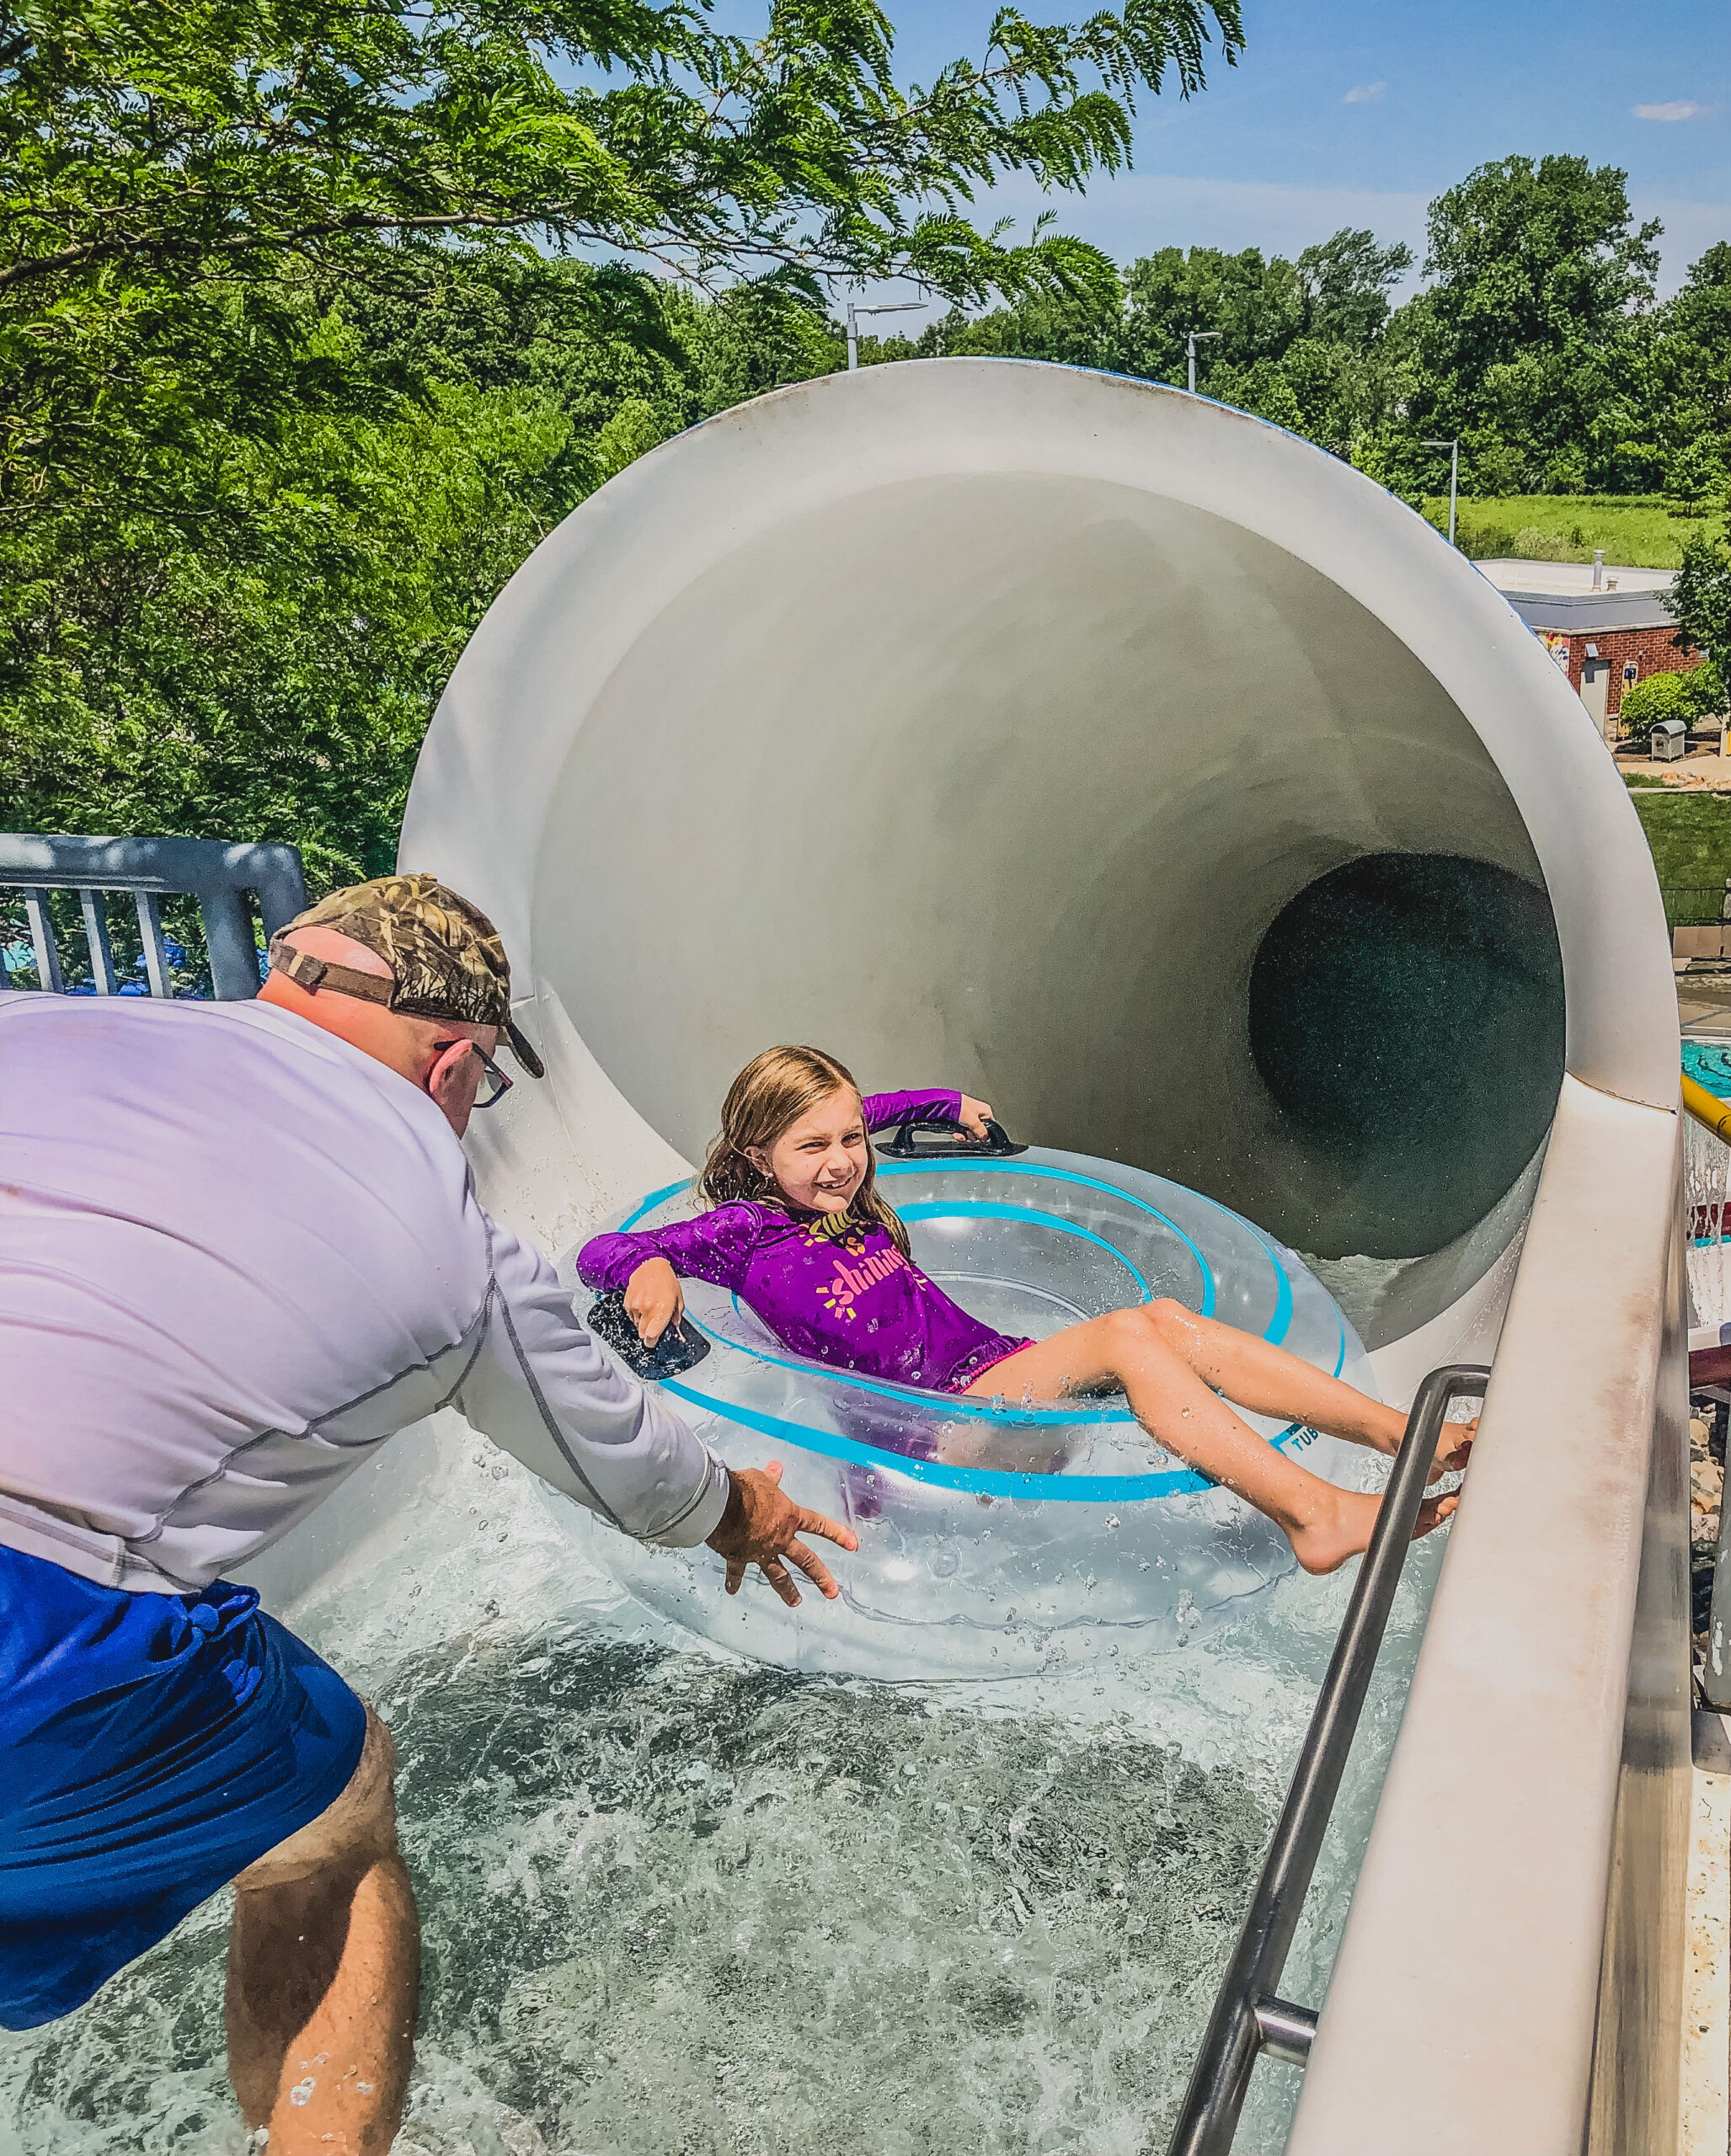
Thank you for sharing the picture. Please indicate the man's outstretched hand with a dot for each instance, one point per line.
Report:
(760, 1527)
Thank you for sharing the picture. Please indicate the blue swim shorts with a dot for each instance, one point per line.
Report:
(153, 1746)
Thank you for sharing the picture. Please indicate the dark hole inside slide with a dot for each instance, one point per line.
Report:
(1407, 1012)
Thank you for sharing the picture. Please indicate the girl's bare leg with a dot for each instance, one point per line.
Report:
(1270, 1381)
(1168, 1361)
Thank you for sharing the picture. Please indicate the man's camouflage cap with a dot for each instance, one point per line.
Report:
(445, 955)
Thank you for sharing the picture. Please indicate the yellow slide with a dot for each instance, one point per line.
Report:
(1707, 1108)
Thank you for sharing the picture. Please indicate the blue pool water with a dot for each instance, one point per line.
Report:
(1708, 1063)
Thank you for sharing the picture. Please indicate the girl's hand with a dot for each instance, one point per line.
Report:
(654, 1299)
(972, 1115)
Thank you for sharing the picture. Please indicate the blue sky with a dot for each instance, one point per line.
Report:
(1358, 111)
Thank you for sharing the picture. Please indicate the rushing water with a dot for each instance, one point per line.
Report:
(684, 1905)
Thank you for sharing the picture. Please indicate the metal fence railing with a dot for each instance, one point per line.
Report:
(86, 913)
(1696, 905)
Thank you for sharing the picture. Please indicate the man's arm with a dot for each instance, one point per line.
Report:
(540, 1387)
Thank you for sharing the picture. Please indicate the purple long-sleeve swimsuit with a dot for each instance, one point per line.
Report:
(827, 1287)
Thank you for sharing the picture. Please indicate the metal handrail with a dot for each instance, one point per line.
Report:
(1248, 2017)
(215, 873)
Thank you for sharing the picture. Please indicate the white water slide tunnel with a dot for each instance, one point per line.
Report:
(1146, 772)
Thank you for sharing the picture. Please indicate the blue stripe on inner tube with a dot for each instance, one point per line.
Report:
(1278, 1325)
(654, 1198)
(956, 1209)
(1283, 1294)
(1283, 1313)
(1282, 1319)
(984, 1482)
(1117, 1489)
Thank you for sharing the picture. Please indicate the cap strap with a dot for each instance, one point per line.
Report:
(520, 1048)
(307, 972)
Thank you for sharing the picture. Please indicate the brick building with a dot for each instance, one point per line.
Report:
(1605, 639)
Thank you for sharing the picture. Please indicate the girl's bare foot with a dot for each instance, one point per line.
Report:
(1341, 1527)
(1454, 1448)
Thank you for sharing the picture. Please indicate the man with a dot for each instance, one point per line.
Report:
(239, 1247)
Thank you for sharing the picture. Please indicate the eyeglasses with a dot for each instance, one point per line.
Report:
(494, 1086)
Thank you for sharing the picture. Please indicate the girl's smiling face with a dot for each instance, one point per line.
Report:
(819, 1162)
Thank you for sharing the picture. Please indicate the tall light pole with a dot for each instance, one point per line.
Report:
(1197, 337)
(889, 306)
(1453, 449)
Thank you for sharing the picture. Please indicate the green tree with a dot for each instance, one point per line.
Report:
(1263, 388)
(1255, 306)
(161, 158)
(1701, 598)
(1346, 281)
(1068, 328)
(266, 667)
(291, 384)
(1690, 390)
(1299, 343)
(1343, 395)
(181, 134)
(592, 341)
(1525, 341)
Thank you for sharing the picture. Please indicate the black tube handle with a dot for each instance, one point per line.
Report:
(997, 1145)
(680, 1347)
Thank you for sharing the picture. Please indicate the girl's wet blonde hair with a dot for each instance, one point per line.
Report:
(766, 1100)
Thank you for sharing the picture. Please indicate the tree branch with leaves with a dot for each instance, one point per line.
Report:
(315, 314)
(168, 134)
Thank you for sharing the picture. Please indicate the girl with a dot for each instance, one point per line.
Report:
(800, 1233)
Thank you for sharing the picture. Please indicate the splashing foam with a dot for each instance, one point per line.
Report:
(673, 1901)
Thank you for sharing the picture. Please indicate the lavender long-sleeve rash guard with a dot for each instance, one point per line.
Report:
(825, 1286)
(236, 1254)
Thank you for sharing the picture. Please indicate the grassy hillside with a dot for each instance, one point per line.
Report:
(1690, 837)
(1643, 531)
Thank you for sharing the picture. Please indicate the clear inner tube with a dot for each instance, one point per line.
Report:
(996, 1533)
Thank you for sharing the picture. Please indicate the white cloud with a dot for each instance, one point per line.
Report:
(1365, 93)
(1678, 108)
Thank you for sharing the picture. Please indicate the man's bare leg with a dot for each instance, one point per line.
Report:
(1168, 1362)
(325, 1975)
